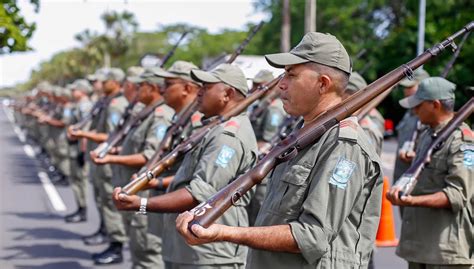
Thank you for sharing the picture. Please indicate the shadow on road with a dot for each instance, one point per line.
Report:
(45, 233)
(53, 265)
(54, 251)
(34, 215)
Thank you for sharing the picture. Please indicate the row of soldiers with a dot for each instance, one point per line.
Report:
(320, 209)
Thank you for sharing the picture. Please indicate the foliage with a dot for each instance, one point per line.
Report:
(15, 31)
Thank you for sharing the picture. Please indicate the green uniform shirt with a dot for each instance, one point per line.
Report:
(108, 119)
(268, 125)
(330, 195)
(373, 131)
(442, 236)
(227, 151)
(144, 139)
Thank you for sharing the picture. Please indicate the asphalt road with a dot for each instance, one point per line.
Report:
(33, 233)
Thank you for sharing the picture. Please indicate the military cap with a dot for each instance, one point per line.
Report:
(356, 83)
(149, 76)
(135, 71)
(229, 74)
(418, 75)
(44, 86)
(66, 92)
(98, 75)
(263, 76)
(315, 47)
(179, 69)
(82, 85)
(115, 74)
(433, 88)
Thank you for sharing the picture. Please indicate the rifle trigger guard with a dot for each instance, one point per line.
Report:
(290, 154)
(408, 72)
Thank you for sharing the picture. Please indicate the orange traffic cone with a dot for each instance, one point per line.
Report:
(386, 233)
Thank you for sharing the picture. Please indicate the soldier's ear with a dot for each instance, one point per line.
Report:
(325, 83)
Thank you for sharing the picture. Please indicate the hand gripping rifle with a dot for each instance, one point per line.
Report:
(409, 179)
(173, 135)
(169, 159)
(208, 212)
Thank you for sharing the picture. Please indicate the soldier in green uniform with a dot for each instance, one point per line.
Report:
(437, 232)
(138, 147)
(228, 150)
(107, 121)
(81, 89)
(322, 207)
(371, 122)
(407, 126)
(266, 127)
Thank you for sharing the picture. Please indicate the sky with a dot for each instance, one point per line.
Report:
(59, 20)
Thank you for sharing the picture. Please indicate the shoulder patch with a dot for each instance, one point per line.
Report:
(225, 155)
(275, 119)
(468, 159)
(160, 131)
(114, 118)
(348, 128)
(342, 173)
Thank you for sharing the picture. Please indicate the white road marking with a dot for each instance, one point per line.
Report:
(30, 152)
(52, 193)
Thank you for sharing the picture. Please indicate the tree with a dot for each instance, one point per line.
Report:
(15, 31)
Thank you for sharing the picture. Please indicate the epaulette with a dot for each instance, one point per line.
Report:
(113, 102)
(348, 128)
(196, 119)
(467, 134)
(232, 126)
(159, 111)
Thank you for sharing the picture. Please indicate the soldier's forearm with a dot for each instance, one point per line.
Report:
(271, 238)
(135, 160)
(173, 202)
(96, 137)
(435, 200)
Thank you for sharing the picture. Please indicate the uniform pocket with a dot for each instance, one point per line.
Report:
(293, 187)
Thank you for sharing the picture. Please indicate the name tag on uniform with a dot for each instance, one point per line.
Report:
(342, 173)
(225, 155)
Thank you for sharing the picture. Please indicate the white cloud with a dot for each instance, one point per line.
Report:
(58, 22)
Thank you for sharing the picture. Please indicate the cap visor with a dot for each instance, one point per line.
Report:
(164, 74)
(204, 77)
(410, 102)
(135, 79)
(407, 83)
(280, 60)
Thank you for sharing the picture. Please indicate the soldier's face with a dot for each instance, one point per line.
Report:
(97, 85)
(299, 90)
(409, 91)
(130, 91)
(144, 93)
(425, 112)
(110, 86)
(173, 94)
(212, 98)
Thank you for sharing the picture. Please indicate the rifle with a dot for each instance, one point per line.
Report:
(409, 145)
(173, 49)
(117, 137)
(95, 110)
(167, 161)
(409, 179)
(208, 212)
(176, 129)
(450, 64)
(259, 109)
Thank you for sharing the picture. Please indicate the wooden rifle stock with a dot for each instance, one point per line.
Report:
(208, 212)
(409, 179)
(168, 160)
